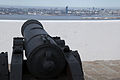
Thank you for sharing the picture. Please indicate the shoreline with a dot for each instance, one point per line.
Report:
(85, 21)
(38, 17)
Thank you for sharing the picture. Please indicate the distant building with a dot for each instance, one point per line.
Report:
(66, 9)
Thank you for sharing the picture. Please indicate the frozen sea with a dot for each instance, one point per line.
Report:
(94, 39)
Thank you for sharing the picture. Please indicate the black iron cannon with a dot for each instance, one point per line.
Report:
(47, 58)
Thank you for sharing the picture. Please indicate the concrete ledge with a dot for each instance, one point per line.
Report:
(102, 70)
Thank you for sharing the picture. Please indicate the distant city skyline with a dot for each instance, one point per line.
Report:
(62, 3)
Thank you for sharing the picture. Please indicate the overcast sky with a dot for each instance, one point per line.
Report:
(62, 3)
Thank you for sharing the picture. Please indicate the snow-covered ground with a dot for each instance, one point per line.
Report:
(95, 40)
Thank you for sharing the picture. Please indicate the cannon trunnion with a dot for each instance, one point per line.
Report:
(47, 58)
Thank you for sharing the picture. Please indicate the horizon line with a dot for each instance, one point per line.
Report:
(55, 6)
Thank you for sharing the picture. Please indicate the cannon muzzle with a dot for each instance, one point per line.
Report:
(44, 57)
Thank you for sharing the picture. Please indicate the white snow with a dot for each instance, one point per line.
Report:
(95, 40)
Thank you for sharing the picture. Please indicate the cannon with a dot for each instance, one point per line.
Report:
(47, 58)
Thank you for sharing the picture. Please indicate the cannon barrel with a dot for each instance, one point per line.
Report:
(44, 58)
